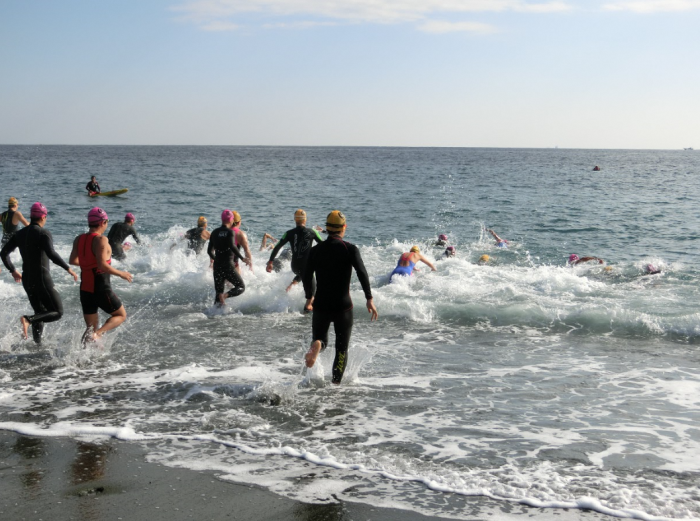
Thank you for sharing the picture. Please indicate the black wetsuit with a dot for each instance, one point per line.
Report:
(36, 247)
(8, 229)
(93, 187)
(332, 261)
(300, 240)
(222, 249)
(116, 236)
(194, 238)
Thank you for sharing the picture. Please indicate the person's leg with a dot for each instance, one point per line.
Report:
(115, 320)
(47, 306)
(342, 325)
(219, 281)
(320, 323)
(238, 288)
(92, 322)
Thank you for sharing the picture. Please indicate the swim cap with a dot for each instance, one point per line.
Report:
(96, 216)
(650, 268)
(12, 202)
(38, 210)
(226, 216)
(129, 217)
(335, 221)
(573, 257)
(442, 237)
(484, 258)
(450, 248)
(450, 251)
(415, 249)
(236, 217)
(201, 221)
(300, 215)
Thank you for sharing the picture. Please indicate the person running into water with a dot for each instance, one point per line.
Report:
(118, 233)
(92, 252)
(332, 262)
(223, 252)
(575, 259)
(241, 240)
(300, 239)
(198, 237)
(500, 243)
(407, 263)
(10, 220)
(35, 245)
(93, 187)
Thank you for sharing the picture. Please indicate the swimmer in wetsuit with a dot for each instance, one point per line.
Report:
(500, 243)
(118, 233)
(300, 239)
(223, 252)
(332, 262)
(10, 220)
(198, 237)
(93, 187)
(575, 259)
(92, 252)
(407, 263)
(35, 244)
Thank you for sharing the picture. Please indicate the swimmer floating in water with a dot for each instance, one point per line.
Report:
(575, 259)
(442, 240)
(484, 259)
(449, 252)
(500, 243)
(407, 263)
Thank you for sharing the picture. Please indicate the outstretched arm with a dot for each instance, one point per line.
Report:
(498, 239)
(426, 261)
(588, 259)
(265, 238)
(20, 218)
(47, 246)
(284, 240)
(103, 251)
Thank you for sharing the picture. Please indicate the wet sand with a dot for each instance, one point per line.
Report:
(61, 479)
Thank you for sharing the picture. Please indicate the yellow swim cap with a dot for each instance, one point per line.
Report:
(236, 217)
(335, 221)
(300, 215)
(201, 221)
(608, 268)
(415, 249)
(484, 258)
(12, 202)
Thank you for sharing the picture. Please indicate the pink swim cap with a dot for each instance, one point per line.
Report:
(226, 216)
(442, 237)
(96, 216)
(450, 248)
(130, 217)
(38, 210)
(573, 257)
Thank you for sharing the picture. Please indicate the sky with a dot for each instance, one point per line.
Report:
(443, 73)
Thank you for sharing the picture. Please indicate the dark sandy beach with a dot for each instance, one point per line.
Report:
(66, 479)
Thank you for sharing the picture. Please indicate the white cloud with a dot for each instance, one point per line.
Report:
(219, 25)
(441, 27)
(653, 6)
(203, 12)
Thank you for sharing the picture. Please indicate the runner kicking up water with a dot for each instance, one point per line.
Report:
(92, 252)
(332, 262)
(224, 252)
(35, 244)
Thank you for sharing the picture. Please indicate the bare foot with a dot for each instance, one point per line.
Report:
(88, 337)
(312, 353)
(25, 327)
(221, 297)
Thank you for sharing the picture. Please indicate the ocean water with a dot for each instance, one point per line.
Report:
(524, 381)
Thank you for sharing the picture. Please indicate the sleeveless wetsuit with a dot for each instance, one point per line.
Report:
(116, 236)
(95, 285)
(223, 250)
(194, 239)
(332, 262)
(405, 271)
(8, 229)
(300, 239)
(36, 247)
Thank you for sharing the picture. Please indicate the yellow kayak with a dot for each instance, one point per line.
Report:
(110, 194)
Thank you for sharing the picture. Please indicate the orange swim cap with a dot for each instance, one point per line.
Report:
(335, 221)
(300, 215)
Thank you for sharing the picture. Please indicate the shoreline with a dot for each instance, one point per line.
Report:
(109, 479)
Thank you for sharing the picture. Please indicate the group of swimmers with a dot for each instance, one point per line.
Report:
(325, 271)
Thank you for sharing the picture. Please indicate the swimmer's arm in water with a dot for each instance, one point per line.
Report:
(103, 252)
(498, 239)
(284, 240)
(265, 238)
(426, 261)
(588, 259)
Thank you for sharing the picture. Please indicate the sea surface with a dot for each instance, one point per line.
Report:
(524, 380)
